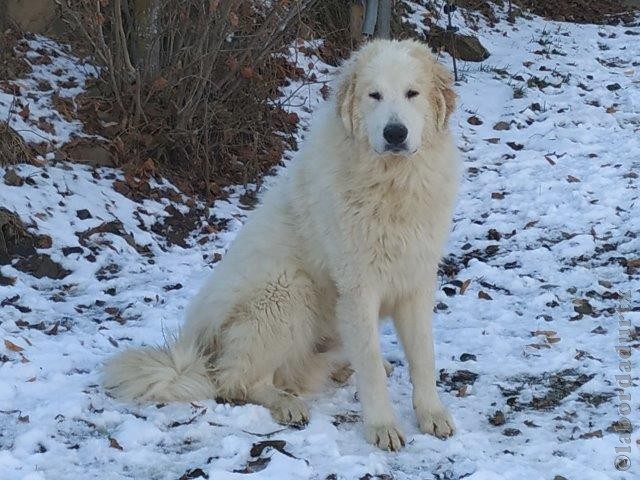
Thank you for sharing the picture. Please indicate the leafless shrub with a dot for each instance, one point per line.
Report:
(13, 149)
(187, 82)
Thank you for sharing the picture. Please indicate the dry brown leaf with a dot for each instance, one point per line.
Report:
(464, 286)
(46, 126)
(12, 346)
(24, 112)
(233, 19)
(546, 333)
(484, 295)
(246, 72)
(113, 443)
(159, 83)
(232, 63)
(64, 106)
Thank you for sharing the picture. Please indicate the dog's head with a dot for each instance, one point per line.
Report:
(394, 95)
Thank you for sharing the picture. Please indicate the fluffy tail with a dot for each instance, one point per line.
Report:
(174, 372)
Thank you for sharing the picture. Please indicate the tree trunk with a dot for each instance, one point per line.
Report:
(145, 46)
(355, 22)
(4, 22)
(383, 25)
(370, 17)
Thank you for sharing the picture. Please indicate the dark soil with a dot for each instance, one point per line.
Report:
(558, 385)
(606, 12)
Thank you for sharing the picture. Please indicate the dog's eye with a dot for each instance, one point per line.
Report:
(375, 95)
(412, 93)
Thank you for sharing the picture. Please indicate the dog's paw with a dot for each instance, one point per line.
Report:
(342, 374)
(435, 421)
(387, 437)
(290, 410)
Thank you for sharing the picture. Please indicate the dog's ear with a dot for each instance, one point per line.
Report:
(442, 96)
(345, 95)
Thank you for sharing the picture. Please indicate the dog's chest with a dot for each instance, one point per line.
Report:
(395, 231)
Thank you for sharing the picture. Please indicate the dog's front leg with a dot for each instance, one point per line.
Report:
(412, 319)
(357, 313)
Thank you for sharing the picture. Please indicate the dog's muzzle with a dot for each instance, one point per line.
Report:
(395, 135)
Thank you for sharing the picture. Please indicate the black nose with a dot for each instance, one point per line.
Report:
(395, 133)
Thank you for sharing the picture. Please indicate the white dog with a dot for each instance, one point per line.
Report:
(353, 233)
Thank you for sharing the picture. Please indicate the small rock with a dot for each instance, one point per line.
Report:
(474, 120)
(41, 266)
(583, 307)
(66, 251)
(465, 357)
(511, 432)
(83, 214)
(441, 306)
(88, 152)
(464, 47)
(613, 87)
(502, 126)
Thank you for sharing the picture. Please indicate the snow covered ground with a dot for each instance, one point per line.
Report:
(542, 266)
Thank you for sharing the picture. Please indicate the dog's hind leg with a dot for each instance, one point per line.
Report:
(273, 327)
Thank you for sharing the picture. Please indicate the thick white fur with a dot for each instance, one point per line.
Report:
(347, 236)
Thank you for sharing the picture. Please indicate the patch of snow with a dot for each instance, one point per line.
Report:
(55, 71)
